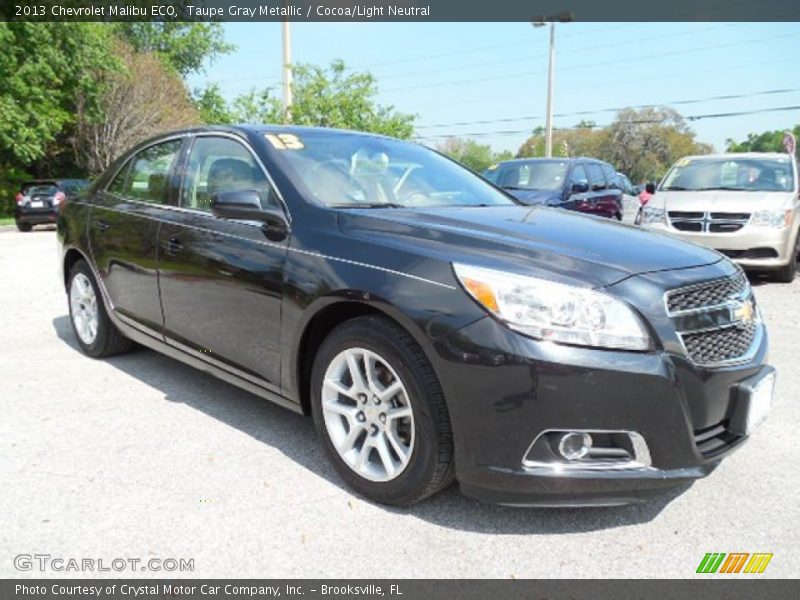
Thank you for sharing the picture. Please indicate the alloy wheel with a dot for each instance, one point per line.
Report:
(368, 414)
(83, 303)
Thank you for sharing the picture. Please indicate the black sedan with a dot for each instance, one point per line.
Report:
(37, 202)
(434, 328)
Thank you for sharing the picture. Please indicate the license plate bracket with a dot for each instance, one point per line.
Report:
(753, 402)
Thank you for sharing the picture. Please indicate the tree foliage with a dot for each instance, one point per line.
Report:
(185, 47)
(322, 97)
(138, 102)
(642, 144)
(472, 154)
(44, 67)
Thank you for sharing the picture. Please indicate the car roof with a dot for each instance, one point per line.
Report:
(262, 129)
(569, 159)
(52, 181)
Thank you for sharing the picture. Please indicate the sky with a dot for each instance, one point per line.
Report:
(492, 77)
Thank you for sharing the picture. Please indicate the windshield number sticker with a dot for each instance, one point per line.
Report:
(285, 141)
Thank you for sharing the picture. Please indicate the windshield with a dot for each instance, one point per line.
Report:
(745, 174)
(533, 175)
(349, 171)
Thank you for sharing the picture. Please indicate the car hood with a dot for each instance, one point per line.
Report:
(532, 197)
(559, 244)
(720, 201)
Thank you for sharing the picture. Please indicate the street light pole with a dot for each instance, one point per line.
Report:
(287, 71)
(548, 140)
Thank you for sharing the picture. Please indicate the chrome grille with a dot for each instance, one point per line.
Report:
(719, 345)
(704, 295)
(710, 222)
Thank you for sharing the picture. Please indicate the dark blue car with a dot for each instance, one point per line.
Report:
(582, 184)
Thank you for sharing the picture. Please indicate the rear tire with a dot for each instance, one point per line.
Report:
(24, 227)
(97, 336)
(385, 457)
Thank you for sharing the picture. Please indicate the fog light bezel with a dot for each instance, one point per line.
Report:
(641, 453)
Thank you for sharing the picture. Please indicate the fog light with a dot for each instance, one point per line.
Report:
(574, 445)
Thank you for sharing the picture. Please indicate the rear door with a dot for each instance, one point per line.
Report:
(222, 280)
(611, 201)
(123, 230)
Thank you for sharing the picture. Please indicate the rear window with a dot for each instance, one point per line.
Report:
(40, 189)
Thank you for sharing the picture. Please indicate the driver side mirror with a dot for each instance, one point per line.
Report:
(580, 187)
(650, 188)
(246, 205)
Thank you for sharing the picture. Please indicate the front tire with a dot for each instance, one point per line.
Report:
(787, 273)
(96, 334)
(381, 413)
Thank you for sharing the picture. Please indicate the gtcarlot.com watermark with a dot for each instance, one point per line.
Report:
(58, 564)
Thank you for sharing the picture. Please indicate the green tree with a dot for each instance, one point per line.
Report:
(336, 97)
(212, 106)
(468, 152)
(184, 47)
(767, 141)
(44, 68)
(322, 97)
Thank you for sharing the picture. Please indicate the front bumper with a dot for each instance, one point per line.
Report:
(505, 389)
(754, 247)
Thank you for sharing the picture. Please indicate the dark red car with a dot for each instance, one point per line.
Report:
(585, 185)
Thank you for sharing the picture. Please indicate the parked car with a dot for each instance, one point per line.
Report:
(581, 184)
(37, 201)
(434, 327)
(744, 205)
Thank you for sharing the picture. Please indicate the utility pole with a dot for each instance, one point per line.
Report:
(551, 68)
(564, 17)
(286, 36)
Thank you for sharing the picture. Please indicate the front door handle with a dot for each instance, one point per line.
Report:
(173, 245)
(102, 225)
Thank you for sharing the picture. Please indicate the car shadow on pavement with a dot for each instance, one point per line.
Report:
(295, 437)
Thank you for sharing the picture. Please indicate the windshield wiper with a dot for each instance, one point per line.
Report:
(675, 188)
(367, 205)
(516, 187)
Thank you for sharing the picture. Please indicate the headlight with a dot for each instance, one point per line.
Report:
(653, 214)
(553, 311)
(771, 218)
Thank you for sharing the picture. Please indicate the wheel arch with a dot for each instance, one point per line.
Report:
(329, 314)
(71, 256)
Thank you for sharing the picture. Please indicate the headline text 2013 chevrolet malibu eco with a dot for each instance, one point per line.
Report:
(433, 327)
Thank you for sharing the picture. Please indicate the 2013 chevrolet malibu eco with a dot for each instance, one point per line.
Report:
(434, 328)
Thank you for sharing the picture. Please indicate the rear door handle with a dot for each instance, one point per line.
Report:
(102, 225)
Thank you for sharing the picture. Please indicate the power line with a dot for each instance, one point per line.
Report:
(615, 109)
(637, 121)
(596, 64)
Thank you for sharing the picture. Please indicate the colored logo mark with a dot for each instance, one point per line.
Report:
(734, 562)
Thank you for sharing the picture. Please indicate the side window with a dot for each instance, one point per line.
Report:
(596, 179)
(218, 164)
(150, 171)
(117, 185)
(578, 176)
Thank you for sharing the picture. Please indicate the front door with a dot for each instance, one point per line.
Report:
(222, 280)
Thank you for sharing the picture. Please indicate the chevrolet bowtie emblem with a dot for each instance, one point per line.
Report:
(743, 313)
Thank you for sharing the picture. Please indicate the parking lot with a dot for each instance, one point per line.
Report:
(141, 456)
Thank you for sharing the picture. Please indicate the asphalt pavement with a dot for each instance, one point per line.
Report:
(142, 457)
